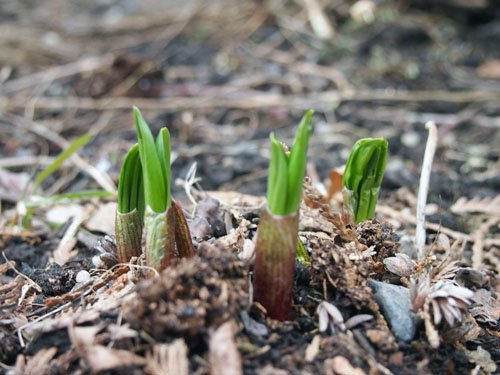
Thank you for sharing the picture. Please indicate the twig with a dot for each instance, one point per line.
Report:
(227, 99)
(30, 282)
(395, 214)
(81, 66)
(318, 20)
(63, 253)
(423, 189)
(21, 161)
(40, 318)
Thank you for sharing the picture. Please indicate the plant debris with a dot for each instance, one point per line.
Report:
(223, 75)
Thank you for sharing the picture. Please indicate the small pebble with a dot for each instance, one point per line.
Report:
(394, 301)
(82, 276)
(410, 139)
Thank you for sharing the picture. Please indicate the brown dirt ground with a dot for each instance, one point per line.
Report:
(222, 75)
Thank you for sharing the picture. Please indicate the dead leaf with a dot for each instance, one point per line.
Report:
(400, 265)
(12, 185)
(84, 336)
(236, 238)
(103, 219)
(61, 214)
(67, 320)
(100, 358)
(233, 198)
(486, 205)
(341, 366)
(225, 358)
(168, 359)
(39, 364)
(489, 69)
(486, 307)
(335, 184)
(11, 292)
(120, 332)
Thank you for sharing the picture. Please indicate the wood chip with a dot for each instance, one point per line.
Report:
(312, 349)
(341, 366)
(225, 358)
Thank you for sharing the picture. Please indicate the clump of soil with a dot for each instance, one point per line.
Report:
(189, 299)
(380, 236)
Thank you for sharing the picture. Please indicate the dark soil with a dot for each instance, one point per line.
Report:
(222, 76)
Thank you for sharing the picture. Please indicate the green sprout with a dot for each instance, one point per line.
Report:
(130, 213)
(144, 197)
(158, 221)
(130, 187)
(287, 170)
(363, 176)
(155, 158)
(277, 243)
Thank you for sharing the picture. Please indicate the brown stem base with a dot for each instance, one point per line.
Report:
(274, 272)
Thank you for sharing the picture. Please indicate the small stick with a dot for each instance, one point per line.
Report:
(221, 99)
(31, 283)
(21, 161)
(318, 20)
(423, 189)
(84, 65)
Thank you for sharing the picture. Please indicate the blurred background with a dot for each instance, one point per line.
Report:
(223, 74)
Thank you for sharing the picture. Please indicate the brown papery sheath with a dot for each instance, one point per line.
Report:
(183, 240)
(128, 235)
(159, 230)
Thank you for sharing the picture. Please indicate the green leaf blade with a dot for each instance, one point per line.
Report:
(278, 199)
(163, 149)
(298, 161)
(61, 158)
(154, 183)
(130, 178)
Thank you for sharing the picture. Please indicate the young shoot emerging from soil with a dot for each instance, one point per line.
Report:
(276, 244)
(363, 176)
(130, 213)
(145, 188)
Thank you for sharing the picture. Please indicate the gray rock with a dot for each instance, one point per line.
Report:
(394, 301)
(252, 326)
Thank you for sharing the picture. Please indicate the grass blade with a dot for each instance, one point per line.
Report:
(61, 158)
(35, 202)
